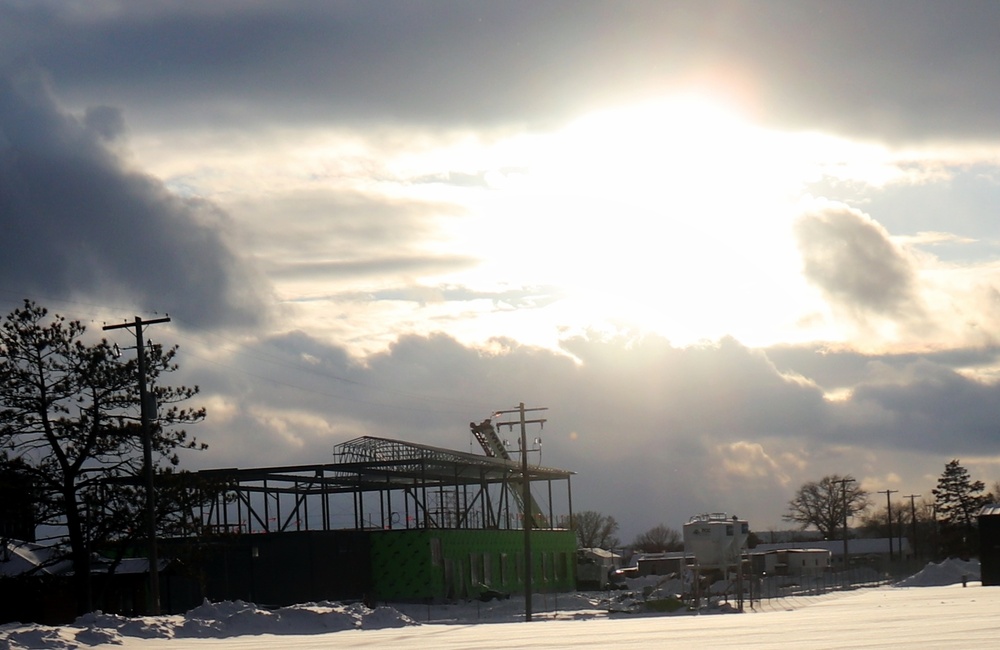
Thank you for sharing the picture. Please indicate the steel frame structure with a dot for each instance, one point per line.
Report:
(380, 484)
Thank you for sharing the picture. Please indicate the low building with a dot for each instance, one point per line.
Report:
(36, 584)
(594, 567)
(790, 561)
(662, 564)
(860, 551)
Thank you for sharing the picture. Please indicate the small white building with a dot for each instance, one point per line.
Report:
(594, 567)
(860, 550)
(790, 561)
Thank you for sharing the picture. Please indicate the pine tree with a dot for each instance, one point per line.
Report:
(958, 500)
(69, 425)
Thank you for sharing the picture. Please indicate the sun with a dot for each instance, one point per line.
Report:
(669, 215)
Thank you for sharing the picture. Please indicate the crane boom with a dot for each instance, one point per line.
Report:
(486, 434)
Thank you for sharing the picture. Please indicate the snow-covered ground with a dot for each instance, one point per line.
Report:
(929, 610)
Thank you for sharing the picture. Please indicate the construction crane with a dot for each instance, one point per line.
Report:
(486, 434)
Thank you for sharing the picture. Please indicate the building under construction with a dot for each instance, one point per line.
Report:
(387, 520)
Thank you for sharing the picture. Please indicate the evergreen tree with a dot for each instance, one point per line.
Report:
(70, 424)
(958, 500)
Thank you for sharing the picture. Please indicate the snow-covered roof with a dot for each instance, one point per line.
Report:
(990, 510)
(784, 549)
(862, 546)
(665, 555)
(28, 558)
(600, 553)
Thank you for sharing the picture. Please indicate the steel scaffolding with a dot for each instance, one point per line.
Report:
(375, 483)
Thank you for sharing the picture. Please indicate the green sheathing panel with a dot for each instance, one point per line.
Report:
(441, 563)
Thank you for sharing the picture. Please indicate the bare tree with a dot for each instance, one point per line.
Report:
(826, 504)
(595, 530)
(658, 539)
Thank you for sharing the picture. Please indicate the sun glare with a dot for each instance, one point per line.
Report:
(672, 216)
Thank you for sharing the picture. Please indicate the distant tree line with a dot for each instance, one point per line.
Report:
(835, 505)
(597, 530)
(945, 526)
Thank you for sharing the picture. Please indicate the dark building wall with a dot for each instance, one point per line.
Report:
(269, 569)
(285, 568)
(989, 549)
(17, 515)
(44, 599)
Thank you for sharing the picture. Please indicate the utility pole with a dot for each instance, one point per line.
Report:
(888, 510)
(145, 406)
(843, 489)
(913, 521)
(526, 494)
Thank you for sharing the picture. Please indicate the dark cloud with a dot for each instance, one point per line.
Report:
(328, 234)
(853, 261)
(895, 69)
(77, 222)
(654, 432)
(932, 408)
(105, 121)
(372, 266)
(833, 368)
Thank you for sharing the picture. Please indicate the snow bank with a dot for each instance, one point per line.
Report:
(207, 621)
(232, 619)
(947, 572)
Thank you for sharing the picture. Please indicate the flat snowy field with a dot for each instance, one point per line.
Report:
(949, 616)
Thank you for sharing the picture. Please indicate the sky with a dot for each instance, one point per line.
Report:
(732, 247)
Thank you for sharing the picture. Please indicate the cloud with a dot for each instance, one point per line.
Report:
(321, 270)
(837, 367)
(337, 238)
(891, 69)
(705, 428)
(852, 260)
(931, 407)
(78, 222)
